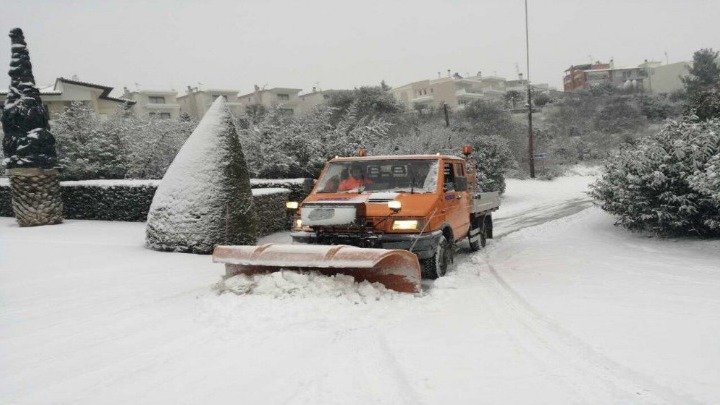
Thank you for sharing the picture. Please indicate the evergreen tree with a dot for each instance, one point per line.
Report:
(702, 85)
(704, 74)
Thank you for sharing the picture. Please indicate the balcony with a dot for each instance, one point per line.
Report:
(422, 100)
(471, 95)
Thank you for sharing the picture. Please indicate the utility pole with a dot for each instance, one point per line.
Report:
(531, 149)
(447, 117)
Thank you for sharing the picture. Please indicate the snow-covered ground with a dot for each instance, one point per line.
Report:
(561, 307)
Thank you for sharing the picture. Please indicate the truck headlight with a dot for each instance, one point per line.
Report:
(405, 225)
(292, 205)
(394, 205)
(298, 223)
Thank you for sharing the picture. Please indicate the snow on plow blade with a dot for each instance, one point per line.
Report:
(397, 270)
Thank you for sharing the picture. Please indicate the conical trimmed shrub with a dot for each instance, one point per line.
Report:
(205, 197)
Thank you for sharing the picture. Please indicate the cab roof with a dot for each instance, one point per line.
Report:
(388, 157)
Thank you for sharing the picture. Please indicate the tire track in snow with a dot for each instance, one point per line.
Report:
(591, 376)
(376, 375)
(538, 216)
(565, 359)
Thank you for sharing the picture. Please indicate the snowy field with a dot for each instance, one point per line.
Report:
(561, 307)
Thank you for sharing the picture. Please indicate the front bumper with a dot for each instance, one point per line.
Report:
(423, 245)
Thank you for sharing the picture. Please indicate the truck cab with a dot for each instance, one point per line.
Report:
(420, 203)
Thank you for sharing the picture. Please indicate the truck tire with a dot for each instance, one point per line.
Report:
(437, 265)
(479, 225)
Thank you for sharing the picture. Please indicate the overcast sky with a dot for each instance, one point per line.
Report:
(169, 44)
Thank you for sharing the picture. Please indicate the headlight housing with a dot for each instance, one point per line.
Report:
(405, 225)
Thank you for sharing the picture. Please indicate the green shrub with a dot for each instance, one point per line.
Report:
(666, 183)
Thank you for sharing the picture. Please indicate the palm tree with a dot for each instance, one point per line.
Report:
(29, 147)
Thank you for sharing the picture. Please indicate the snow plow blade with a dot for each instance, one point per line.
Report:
(397, 270)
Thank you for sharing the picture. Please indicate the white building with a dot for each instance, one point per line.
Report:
(161, 104)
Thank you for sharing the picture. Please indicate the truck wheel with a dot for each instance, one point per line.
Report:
(479, 226)
(437, 266)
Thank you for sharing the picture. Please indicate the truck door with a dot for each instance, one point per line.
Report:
(455, 197)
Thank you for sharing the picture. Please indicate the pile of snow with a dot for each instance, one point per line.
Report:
(204, 198)
(286, 284)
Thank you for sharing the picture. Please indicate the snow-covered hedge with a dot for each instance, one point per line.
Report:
(271, 211)
(299, 188)
(129, 200)
(5, 198)
(110, 200)
(668, 183)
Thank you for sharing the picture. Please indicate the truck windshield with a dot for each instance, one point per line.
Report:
(398, 175)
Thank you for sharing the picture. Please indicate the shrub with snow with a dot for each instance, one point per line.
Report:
(117, 147)
(667, 183)
(492, 157)
(205, 197)
(280, 147)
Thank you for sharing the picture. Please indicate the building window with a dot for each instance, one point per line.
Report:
(283, 97)
(157, 99)
(165, 116)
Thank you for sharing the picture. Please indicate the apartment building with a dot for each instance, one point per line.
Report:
(649, 76)
(453, 90)
(576, 76)
(308, 101)
(286, 100)
(160, 104)
(195, 102)
(64, 92)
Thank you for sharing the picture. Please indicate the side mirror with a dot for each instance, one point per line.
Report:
(460, 183)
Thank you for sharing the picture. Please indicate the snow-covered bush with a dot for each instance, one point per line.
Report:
(299, 188)
(617, 115)
(491, 154)
(87, 148)
(706, 104)
(205, 198)
(492, 157)
(288, 147)
(666, 183)
(120, 146)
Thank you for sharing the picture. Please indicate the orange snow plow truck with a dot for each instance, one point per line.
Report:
(387, 219)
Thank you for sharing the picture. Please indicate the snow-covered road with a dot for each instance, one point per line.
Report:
(561, 307)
